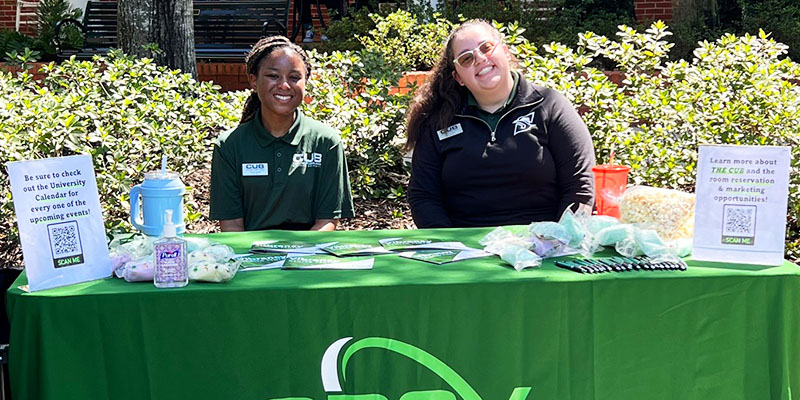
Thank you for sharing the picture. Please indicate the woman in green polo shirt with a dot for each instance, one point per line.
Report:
(279, 169)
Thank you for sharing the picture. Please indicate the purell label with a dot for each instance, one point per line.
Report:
(170, 254)
(449, 132)
(254, 169)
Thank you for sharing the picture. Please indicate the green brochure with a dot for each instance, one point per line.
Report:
(399, 244)
(355, 249)
(286, 246)
(444, 256)
(255, 262)
(324, 261)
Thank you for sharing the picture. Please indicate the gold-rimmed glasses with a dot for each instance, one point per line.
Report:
(469, 57)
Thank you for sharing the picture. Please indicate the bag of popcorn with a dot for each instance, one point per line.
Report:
(670, 212)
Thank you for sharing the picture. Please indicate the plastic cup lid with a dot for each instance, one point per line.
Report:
(610, 168)
(161, 175)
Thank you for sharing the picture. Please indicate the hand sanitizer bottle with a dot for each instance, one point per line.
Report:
(169, 253)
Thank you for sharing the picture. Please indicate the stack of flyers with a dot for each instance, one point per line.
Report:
(257, 262)
(355, 249)
(398, 244)
(284, 246)
(444, 256)
(324, 261)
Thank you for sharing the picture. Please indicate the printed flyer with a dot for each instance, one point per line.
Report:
(355, 249)
(325, 261)
(60, 221)
(444, 256)
(283, 246)
(400, 244)
(740, 211)
(257, 262)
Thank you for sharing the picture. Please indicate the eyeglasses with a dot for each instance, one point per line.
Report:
(469, 57)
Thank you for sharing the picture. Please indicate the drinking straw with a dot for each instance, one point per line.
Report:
(164, 164)
(610, 158)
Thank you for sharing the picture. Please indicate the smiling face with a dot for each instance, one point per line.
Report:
(280, 85)
(489, 77)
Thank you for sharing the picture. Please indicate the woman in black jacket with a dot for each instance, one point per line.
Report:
(490, 148)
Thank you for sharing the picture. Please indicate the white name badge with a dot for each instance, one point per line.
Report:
(449, 132)
(255, 169)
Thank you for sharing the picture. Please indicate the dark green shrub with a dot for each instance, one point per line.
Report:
(686, 36)
(14, 41)
(343, 35)
(49, 13)
(779, 17)
(490, 10)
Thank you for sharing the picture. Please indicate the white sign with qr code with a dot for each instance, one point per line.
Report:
(60, 221)
(740, 211)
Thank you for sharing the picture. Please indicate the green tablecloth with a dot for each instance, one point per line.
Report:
(712, 332)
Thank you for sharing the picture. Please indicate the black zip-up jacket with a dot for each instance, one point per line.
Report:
(537, 163)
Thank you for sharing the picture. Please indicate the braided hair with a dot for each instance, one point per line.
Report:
(260, 51)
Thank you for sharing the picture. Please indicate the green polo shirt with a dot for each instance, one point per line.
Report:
(493, 118)
(280, 183)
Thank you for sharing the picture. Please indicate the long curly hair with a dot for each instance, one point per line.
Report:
(437, 100)
(262, 49)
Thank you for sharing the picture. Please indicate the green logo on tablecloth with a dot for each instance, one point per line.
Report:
(331, 384)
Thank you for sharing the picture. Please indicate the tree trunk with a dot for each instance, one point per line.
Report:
(159, 29)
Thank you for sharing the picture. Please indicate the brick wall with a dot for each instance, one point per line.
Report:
(651, 10)
(8, 16)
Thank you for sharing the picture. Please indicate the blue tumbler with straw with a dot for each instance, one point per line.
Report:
(161, 190)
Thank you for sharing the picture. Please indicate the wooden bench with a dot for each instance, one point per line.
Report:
(223, 30)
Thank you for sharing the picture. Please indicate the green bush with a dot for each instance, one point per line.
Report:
(13, 41)
(343, 35)
(407, 42)
(571, 18)
(490, 10)
(350, 92)
(779, 17)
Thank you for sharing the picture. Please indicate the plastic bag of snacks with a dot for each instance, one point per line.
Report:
(215, 263)
(669, 212)
(512, 248)
(139, 270)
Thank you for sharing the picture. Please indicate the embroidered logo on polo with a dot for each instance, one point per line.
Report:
(255, 169)
(449, 132)
(310, 160)
(333, 387)
(525, 123)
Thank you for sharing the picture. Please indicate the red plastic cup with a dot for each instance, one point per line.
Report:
(609, 184)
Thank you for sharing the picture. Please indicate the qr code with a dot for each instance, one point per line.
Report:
(739, 220)
(64, 239)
